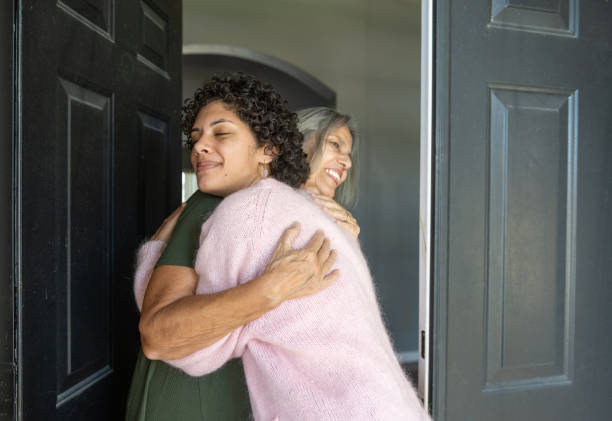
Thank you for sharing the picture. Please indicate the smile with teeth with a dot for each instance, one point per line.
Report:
(335, 174)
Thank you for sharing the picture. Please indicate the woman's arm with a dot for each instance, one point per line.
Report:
(175, 322)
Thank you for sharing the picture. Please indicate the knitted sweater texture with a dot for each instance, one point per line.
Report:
(323, 357)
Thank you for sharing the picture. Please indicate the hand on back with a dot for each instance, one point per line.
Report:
(290, 273)
(343, 217)
(298, 273)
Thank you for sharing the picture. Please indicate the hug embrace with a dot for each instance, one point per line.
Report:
(276, 278)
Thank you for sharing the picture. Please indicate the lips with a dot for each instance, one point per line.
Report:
(335, 174)
(206, 165)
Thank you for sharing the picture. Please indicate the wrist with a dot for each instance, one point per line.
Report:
(267, 288)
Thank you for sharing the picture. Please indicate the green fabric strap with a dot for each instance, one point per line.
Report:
(160, 392)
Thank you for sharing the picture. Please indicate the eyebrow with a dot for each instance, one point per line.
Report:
(221, 120)
(340, 139)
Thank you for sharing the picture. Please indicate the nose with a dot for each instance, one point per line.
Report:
(345, 161)
(201, 146)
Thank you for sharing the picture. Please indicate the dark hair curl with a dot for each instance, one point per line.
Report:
(267, 114)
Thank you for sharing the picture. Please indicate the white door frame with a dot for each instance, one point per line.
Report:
(425, 201)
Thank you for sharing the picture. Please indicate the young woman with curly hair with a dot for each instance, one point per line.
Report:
(322, 357)
(158, 390)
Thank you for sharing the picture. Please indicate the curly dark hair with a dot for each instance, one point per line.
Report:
(267, 114)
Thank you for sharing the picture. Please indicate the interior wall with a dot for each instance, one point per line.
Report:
(6, 282)
(368, 52)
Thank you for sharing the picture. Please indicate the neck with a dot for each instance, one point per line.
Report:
(245, 186)
(312, 188)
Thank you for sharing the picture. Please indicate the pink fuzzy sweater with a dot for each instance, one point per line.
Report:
(323, 357)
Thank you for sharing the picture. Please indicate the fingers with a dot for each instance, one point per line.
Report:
(352, 228)
(329, 262)
(315, 286)
(335, 210)
(175, 213)
(349, 225)
(317, 196)
(342, 216)
(289, 236)
(315, 242)
(330, 278)
(323, 252)
(179, 209)
(164, 232)
(337, 214)
(321, 198)
(327, 203)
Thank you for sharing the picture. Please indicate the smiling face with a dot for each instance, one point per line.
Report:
(329, 168)
(225, 154)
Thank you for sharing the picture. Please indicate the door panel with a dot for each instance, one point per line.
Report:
(523, 175)
(7, 361)
(153, 139)
(83, 176)
(531, 243)
(100, 170)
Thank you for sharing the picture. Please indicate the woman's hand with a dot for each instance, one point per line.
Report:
(293, 273)
(164, 232)
(343, 217)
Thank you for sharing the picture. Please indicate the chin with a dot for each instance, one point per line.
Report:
(205, 187)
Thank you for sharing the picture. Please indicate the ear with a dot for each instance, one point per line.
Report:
(308, 147)
(269, 153)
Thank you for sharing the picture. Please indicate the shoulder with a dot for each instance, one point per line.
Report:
(240, 230)
(260, 198)
(199, 205)
(245, 212)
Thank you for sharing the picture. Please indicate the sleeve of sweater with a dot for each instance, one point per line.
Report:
(147, 256)
(226, 245)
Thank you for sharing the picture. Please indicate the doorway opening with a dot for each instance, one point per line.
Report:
(368, 55)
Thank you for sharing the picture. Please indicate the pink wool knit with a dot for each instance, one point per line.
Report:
(323, 357)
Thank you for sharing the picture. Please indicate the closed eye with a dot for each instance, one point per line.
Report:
(195, 134)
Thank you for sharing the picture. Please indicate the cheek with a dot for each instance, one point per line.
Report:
(240, 163)
(315, 167)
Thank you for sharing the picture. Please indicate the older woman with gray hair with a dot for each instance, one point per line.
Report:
(331, 144)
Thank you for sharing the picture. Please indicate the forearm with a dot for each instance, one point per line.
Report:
(175, 322)
(192, 322)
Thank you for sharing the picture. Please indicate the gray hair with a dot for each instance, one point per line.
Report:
(318, 122)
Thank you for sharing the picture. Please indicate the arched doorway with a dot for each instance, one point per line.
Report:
(299, 88)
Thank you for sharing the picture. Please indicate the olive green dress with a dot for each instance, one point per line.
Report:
(160, 392)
